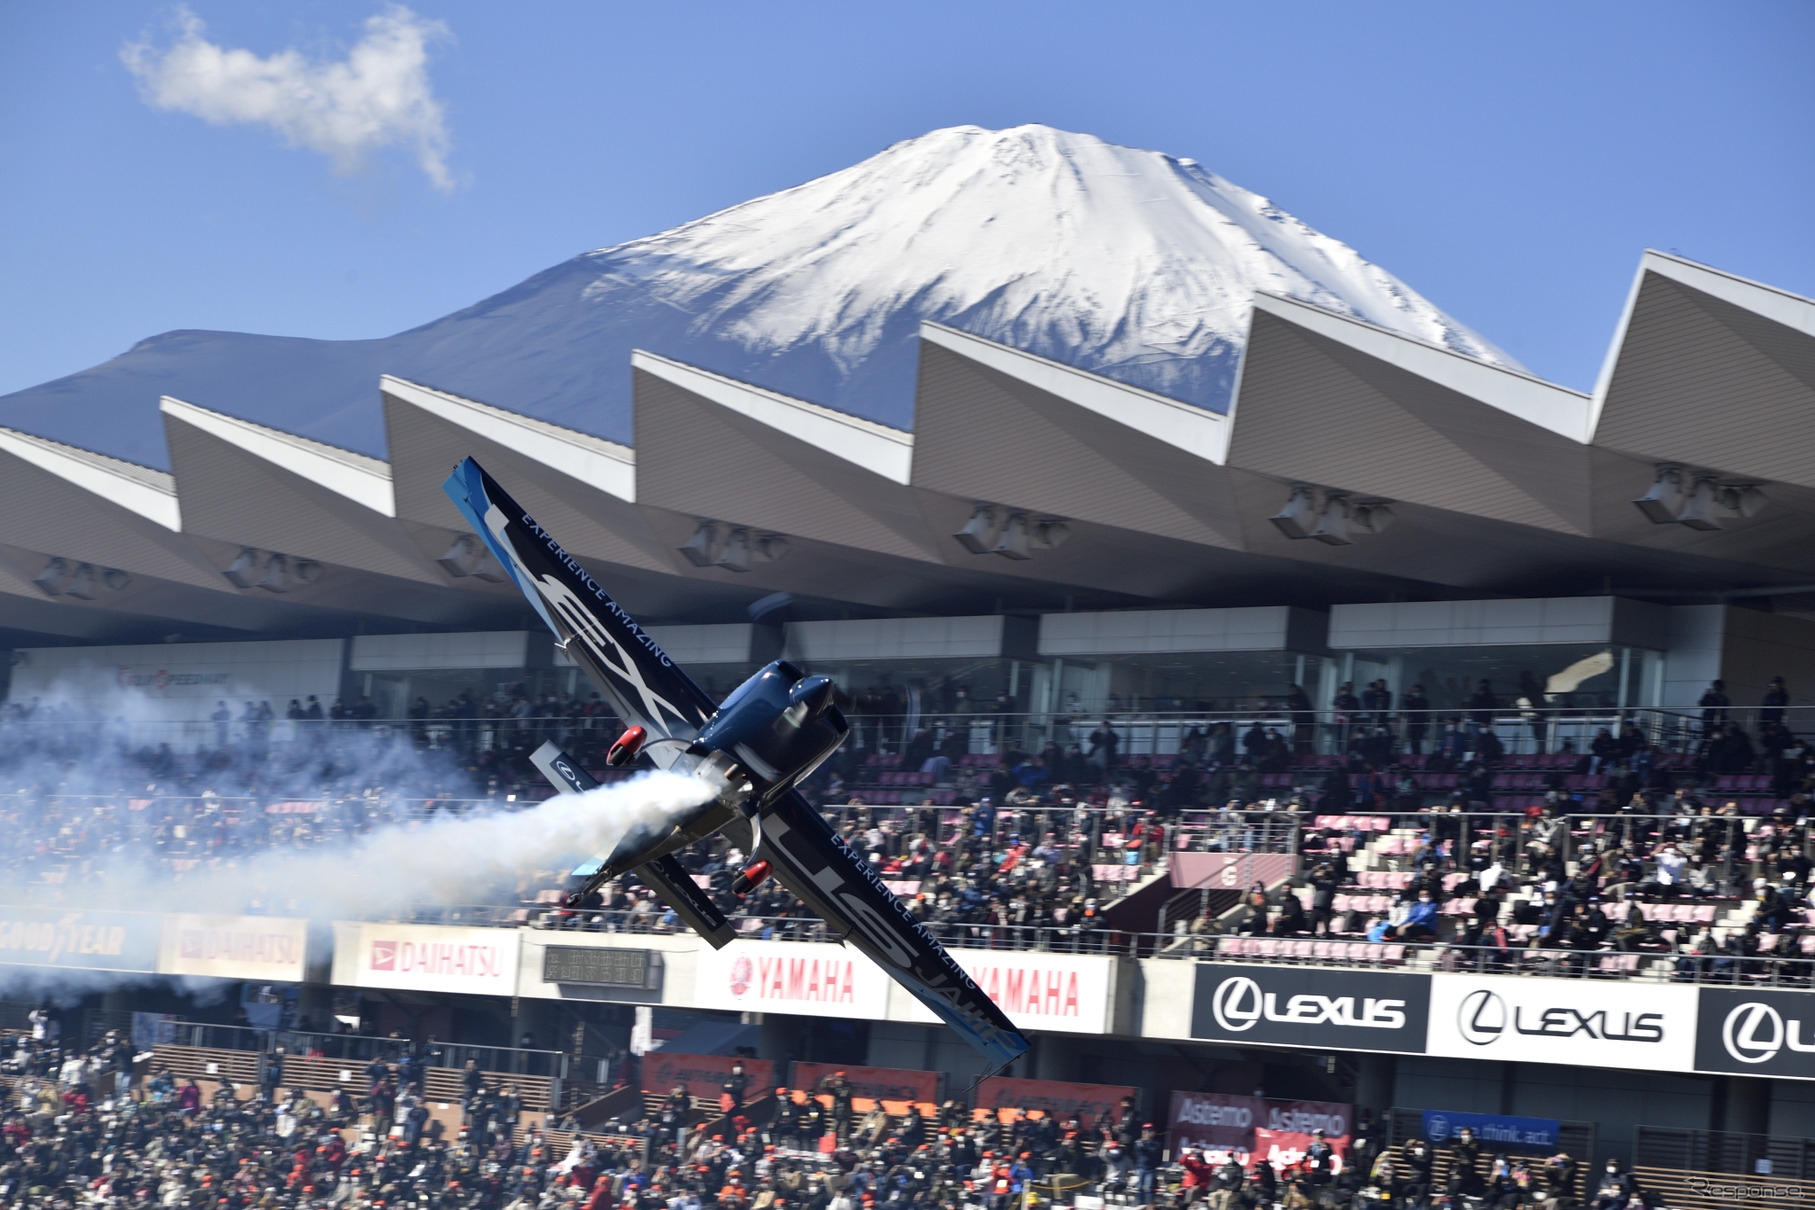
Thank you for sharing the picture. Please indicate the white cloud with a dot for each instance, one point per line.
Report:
(378, 96)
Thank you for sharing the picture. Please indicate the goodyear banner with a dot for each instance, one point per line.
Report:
(76, 940)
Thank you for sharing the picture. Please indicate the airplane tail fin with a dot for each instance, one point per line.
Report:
(665, 875)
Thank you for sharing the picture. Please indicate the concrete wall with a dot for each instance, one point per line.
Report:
(1759, 646)
(1149, 631)
(1610, 620)
(914, 638)
(1744, 647)
(422, 652)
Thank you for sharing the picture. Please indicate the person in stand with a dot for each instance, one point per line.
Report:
(1615, 1188)
(1465, 1165)
(1417, 1157)
(1714, 705)
(1320, 1159)
(1415, 706)
(1771, 708)
(841, 1092)
(1481, 706)
(1149, 1154)
(733, 1089)
(1303, 717)
(784, 1128)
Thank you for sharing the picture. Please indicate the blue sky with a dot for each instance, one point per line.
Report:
(1510, 161)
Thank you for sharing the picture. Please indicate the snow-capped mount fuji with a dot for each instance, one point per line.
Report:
(1133, 264)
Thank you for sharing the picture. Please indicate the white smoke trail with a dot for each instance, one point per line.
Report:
(446, 860)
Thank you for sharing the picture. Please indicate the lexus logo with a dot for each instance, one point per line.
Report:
(1481, 1018)
(1755, 1033)
(1236, 1004)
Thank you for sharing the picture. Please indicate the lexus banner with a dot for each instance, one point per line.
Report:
(1311, 1006)
(1588, 1023)
(1756, 1033)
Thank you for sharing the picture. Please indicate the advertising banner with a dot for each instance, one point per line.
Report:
(895, 1088)
(428, 958)
(1304, 1006)
(1228, 871)
(1756, 1033)
(704, 1075)
(256, 948)
(1090, 1102)
(1063, 993)
(1284, 1148)
(803, 978)
(1497, 1131)
(1574, 1021)
(1226, 1122)
(66, 940)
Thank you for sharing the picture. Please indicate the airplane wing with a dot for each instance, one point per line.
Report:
(814, 862)
(635, 675)
(665, 875)
(645, 686)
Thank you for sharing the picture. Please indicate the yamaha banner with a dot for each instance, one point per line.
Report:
(1756, 1033)
(1311, 1006)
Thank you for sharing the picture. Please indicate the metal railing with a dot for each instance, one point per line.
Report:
(1145, 730)
(366, 1048)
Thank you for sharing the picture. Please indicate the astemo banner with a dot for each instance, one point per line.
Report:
(1227, 1122)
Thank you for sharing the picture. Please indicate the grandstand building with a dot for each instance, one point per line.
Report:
(1054, 547)
(1369, 507)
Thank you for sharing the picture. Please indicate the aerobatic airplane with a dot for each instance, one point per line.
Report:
(751, 751)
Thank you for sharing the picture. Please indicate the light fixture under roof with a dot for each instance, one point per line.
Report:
(1333, 523)
(1299, 517)
(699, 548)
(1698, 499)
(1012, 542)
(243, 571)
(1331, 517)
(468, 556)
(82, 583)
(54, 578)
(994, 530)
(736, 553)
(1665, 499)
(980, 533)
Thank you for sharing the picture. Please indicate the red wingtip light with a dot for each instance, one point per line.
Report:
(627, 747)
(751, 877)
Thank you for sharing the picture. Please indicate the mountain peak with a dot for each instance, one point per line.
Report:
(1129, 263)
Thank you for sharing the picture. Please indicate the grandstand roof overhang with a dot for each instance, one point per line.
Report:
(1499, 483)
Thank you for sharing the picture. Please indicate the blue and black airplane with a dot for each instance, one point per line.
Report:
(751, 751)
